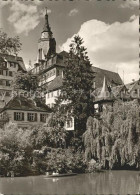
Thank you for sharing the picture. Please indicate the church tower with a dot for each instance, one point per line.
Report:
(46, 44)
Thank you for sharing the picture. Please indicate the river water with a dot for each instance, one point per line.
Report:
(108, 182)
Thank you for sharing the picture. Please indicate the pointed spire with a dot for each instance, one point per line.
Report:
(103, 94)
(46, 26)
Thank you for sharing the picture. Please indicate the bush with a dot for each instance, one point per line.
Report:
(15, 150)
(59, 160)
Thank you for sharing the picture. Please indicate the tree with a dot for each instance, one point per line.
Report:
(77, 85)
(114, 141)
(25, 81)
(15, 150)
(9, 45)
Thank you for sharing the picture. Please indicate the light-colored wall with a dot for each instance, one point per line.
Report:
(44, 44)
(47, 77)
(4, 88)
(51, 97)
(25, 123)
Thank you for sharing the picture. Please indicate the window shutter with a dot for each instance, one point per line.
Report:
(15, 116)
(23, 116)
(35, 116)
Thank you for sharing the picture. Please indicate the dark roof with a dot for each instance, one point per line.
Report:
(117, 89)
(16, 59)
(115, 92)
(60, 58)
(131, 85)
(112, 78)
(64, 54)
(56, 84)
(104, 93)
(22, 103)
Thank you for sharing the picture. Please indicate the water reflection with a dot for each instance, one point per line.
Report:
(109, 182)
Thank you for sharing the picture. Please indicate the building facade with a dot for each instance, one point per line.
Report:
(9, 66)
(134, 89)
(25, 112)
(50, 66)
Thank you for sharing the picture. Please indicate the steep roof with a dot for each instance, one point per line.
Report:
(56, 83)
(131, 85)
(60, 58)
(22, 103)
(64, 53)
(117, 89)
(112, 78)
(104, 93)
(14, 59)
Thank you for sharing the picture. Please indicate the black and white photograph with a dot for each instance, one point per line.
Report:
(69, 97)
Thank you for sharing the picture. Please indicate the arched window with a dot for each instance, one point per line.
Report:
(40, 54)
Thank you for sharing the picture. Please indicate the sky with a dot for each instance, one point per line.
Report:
(110, 29)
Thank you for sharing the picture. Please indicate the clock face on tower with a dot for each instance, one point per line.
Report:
(44, 35)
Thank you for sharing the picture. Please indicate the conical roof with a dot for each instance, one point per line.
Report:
(104, 90)
(104, 94)
(47, 27)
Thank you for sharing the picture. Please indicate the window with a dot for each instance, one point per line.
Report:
(40, 54)
(7, 83)
(3, 64)
(43, 118)
(18, 116)
(32, 117)
(58, 93)
(8, 93)
(1, 72)
(12, 64)
(52, 94)
(136, 91)
(70, 123)
(58, 73)
(101, 108)
(1, 82)
(54, 72)
(52, 105)
(48, 95)
(10, 73)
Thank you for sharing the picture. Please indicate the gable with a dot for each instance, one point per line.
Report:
(14, 59)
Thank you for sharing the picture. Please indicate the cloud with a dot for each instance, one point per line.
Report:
(3, 3)
(112, 46)
(130, 4)
(73, 12)
(25, 17)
